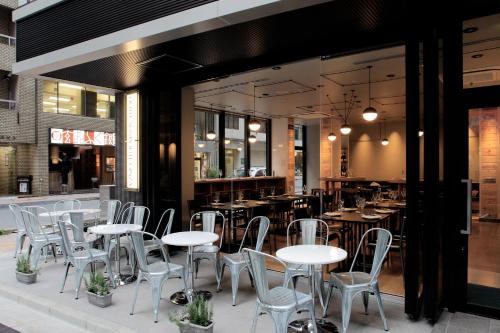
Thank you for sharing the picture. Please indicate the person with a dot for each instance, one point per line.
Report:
(65, 167)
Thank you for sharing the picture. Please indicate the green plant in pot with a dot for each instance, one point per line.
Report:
(24, 273)
(195, 318)
(98, 290)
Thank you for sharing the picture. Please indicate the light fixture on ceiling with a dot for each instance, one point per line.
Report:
(331, 137)
(420, 133)
(384, 141)
(72, 86)
(211, 133)
(254, 124)
(252, 138)
(227, 141)
(477, 56)
(201, 145)
(345, 129)
(239, 149)
(369, 114)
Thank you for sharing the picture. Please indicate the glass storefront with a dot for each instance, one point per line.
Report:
(234, 146)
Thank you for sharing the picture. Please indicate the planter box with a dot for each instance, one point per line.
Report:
(27, 278)
(192, 328)
(101, 301)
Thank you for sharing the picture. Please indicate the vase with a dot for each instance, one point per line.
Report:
(27, 278)
(98, 300)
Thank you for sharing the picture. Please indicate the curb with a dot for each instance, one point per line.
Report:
(74, 317)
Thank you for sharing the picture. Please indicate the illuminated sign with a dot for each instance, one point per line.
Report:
(81, 137)
(132, 141)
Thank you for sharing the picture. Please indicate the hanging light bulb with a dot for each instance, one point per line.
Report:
(252, 138)
(370, 114)
(332, 137)
(345, 129)
(254, 124)
(211, 135)
(227, 141)
(420, 133)
(384, 142)
(201, 145)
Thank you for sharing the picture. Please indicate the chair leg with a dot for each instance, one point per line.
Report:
(286, 279)
(366, 295)
(65, 277)
(250, 277)
(346, 310)
(235, 279)
(78, 280)
(54, 253)
(109, 269)
(216, 267)
(220, 277)
(255, 317)
(139, 278)
(36, 256)
(280, 321)
(155, 290)
(376, 291)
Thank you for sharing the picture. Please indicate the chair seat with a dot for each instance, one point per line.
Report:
(161, 267)
(84, 254)
(283, 298)
(234, 259)
(206, 249)
(53, 238)
(350, 279)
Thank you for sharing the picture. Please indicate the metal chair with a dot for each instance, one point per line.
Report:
(279, 302)
(78, 220)
(352, 283)
(123, 215)
(308, 235)
(156, 273)
(67, 205)
(21, 229)
(113, 209)
(38, 237)
(156, 244)
(209, 251)
(79, 254)
(236, 262)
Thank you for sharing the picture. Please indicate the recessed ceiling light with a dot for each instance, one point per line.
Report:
(470, 30)
(390, 75)
(276, 68)
(320, 86)
(477, 56)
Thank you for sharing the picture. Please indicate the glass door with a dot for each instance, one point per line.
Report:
(483, 211)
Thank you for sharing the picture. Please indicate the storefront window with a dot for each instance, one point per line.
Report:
(69, 99)
(103, 106)
(206, 150)
(234, 146)
(50, 96)
(258, 152)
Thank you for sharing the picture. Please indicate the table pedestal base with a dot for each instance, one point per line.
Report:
(180, 297)
(304, 325)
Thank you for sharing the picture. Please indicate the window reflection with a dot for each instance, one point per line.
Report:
(206, 151)
(234, 146)
(258, 152)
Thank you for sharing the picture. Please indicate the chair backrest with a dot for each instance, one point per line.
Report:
(208, 218)
(67, 247)
(16, 214)
(32, 224)
(261, 235)
(137, 215)
(67, 205)
(77, 224)
(383, 243)
(257, 265)
(123, 216)
(113, 209)
(138, 243)
(308, 231)
(167, 215)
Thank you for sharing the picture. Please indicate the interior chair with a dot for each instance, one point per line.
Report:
(209, 251)
(21, 229)
(397, 245)
(79, 254)
(38, 237)
(156, 243)
(280, 217)
(309, 231)
(352, 283)
(156, 273)
(278, 302)
(236, 262)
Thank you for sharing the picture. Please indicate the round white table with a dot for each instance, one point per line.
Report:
(117, 230)
(189, 239)
(312, 255)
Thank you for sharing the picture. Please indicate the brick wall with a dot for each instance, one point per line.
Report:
(7, 57)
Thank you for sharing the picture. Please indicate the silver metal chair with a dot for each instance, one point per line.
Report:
(111, 210)
(236, 262)
(21, 229)
(67, 205)
(77, 219)
(156, 244)
(79, 254)
(352, 283)
(210, 251)
(38, 237)
(123, 215)
(156, 273)
(279, 302)
(309, 229)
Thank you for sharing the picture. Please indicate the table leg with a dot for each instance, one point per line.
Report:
(121, 279)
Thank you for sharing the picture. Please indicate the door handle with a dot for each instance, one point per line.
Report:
(469, 206)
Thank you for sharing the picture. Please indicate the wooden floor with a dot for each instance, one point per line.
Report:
(484, 254)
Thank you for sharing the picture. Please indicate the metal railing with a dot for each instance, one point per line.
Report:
(9, 40)
(7, 104)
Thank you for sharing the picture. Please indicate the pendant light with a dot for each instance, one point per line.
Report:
(384, 141)
(369, 114)
(331, 137)
(211, 133)
(420, 133)
(254, 124)
(252, 138)
(345, 129)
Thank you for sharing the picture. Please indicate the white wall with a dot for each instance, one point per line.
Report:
(369, 159)
(312, 155)
(279, 146)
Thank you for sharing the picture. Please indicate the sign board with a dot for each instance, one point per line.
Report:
(132, 141)
(81, 137)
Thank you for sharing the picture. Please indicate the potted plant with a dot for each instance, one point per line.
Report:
(24, 273)
(195, 318)
(98, 290)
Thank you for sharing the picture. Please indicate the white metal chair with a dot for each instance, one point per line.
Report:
(210, 251)
(352, 283)
(111, 210)
(21, 229)
(156, 244)
(79, 254)
(38, 237)
(67, 205)
(279, 302)
(156, 273)
(236, 262)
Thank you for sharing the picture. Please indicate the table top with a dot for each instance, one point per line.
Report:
(114, 229)
(189, 238)
(354, 217)
(61, 212)
(388, 204)
(311, 254)
(238, 204)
